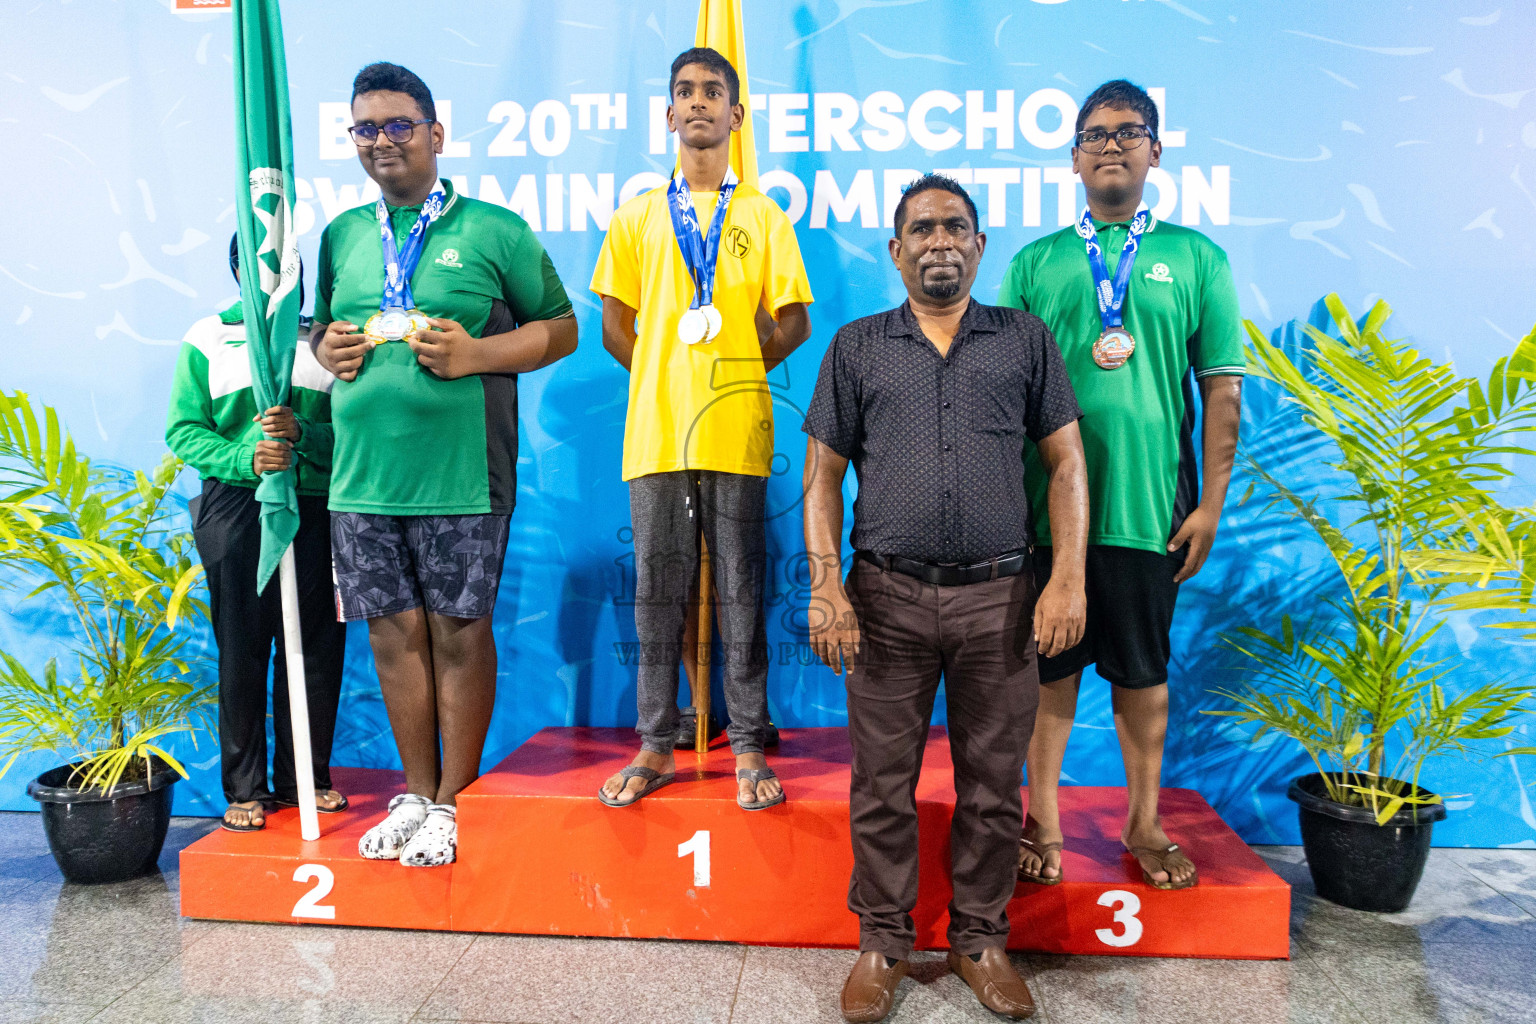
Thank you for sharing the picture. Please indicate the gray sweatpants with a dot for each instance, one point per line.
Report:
(668, 510)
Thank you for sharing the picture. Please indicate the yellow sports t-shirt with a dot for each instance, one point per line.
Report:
(703, 406)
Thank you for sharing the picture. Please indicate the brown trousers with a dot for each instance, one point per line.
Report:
(980, 639)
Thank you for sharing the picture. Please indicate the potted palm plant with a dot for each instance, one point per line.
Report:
(1410, 515)
(100, 541)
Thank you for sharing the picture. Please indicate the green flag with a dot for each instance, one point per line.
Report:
(269, 247)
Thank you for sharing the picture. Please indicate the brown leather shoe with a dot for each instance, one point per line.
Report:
(996, 984)
(871, 988)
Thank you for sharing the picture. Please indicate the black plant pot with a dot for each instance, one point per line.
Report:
(1355, 862)
(99, 838)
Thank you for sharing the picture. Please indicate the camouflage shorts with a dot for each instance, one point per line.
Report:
(451, 565)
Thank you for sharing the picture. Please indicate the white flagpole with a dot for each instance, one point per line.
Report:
(298, 701)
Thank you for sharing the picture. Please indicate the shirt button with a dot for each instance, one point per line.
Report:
(946, 447)
(946, 405)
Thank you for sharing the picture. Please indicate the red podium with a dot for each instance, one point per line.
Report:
(538, 854)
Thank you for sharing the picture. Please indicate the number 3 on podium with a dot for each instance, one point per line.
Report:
(1129, 904)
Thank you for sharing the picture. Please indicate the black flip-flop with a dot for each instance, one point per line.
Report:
(228, 826)
(654, 780)
(322, 810)
(754, 776)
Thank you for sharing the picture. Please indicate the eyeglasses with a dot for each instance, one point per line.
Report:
(399, 131)
(1095, 139)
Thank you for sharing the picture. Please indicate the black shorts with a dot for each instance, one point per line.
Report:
(1131, 595)
(451, 565)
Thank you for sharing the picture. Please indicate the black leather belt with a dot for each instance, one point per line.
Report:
(1010, 564)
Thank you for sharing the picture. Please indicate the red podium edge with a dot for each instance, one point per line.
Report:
(1240, 911)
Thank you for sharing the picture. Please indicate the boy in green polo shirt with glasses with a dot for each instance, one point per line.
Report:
(1143, 311)
(430, 303)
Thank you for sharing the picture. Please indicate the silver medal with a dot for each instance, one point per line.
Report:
(712, 320)
(693, 327)
(393, 324)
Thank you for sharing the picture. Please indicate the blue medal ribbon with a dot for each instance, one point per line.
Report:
(700, 251)
(400, 263)
(1112, 296)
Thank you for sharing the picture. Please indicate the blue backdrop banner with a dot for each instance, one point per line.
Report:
(1376, 150)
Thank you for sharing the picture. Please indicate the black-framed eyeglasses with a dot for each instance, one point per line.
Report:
(399, 131)
(1130, 137)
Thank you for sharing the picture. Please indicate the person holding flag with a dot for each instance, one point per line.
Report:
(213, 425)
(702, 287)
(1139, 307)
(429, 305)
(271, 289)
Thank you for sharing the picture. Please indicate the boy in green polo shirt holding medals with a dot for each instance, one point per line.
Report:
(1138, 307)
(430, 303)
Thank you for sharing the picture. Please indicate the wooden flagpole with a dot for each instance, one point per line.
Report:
(701, 653)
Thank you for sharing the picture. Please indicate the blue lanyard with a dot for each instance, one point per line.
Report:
(1112, 297)
(400, 264)
(700, 252)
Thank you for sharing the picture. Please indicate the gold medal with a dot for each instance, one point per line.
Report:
(395, 325)
(1113, 348)
(387, 325)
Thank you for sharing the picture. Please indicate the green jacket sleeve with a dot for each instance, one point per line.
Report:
(189, 425)
(315, 443)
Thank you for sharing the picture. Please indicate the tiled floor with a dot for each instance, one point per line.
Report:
(1464, 952)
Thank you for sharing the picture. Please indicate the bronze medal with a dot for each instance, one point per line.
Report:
(1113, 348)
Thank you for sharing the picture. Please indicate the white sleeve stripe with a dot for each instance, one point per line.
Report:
(1221, 371)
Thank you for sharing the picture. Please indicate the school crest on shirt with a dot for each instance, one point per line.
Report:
(449, 258)
(736, 241)
(1159, 272)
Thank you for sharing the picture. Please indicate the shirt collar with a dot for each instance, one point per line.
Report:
(450, 198)
(234, 315)
(902, 322)
(1100, 225)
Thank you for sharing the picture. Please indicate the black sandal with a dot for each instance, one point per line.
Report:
(654, 780)
(251, 809)
(322, 810)
(754, 776)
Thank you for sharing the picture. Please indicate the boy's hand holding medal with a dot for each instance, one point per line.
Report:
(444, 348)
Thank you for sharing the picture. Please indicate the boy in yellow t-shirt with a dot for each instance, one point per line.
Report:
(698, 303)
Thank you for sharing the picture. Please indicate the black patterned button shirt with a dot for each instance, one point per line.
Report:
(938, 442)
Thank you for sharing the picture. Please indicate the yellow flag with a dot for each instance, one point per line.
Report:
(720, 29)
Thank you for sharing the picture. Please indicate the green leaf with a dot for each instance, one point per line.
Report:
(1354, 746)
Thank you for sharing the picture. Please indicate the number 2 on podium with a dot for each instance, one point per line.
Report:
(699, 847)
(309, 904)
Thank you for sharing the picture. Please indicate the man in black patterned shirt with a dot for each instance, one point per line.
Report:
(932, 403)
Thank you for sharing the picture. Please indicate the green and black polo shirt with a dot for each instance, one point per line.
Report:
(1138, 420)
(407, 441)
